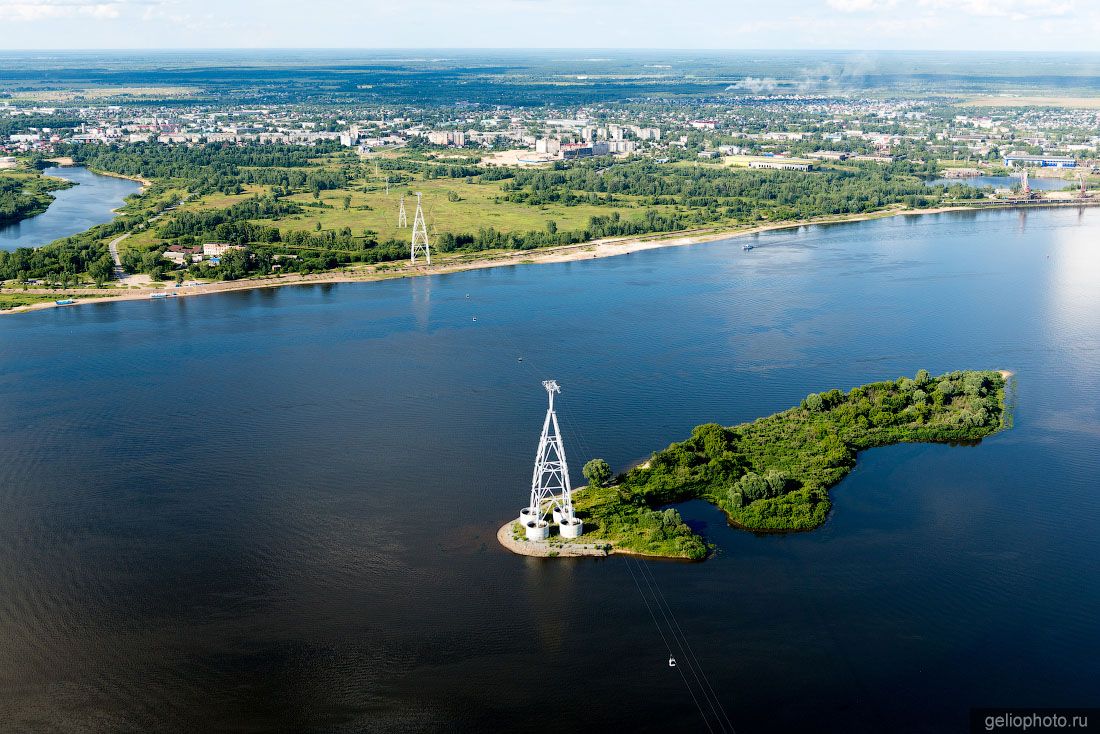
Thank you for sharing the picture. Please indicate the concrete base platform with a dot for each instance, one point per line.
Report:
(546, 548)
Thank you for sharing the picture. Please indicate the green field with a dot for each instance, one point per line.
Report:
(450, 205)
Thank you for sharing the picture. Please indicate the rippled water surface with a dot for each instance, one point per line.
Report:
(275, 510)
(92, 201)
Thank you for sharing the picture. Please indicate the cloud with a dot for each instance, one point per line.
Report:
(1011, 9)
(860, 6)
(29, 11)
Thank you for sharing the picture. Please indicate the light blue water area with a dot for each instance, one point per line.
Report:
(92, 201)
(1005, 182)
(275, 509)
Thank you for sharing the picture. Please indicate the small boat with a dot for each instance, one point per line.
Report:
(158, 295)
(65, 302)
(747, 247)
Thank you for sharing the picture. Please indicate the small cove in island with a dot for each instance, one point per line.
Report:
(772, 474)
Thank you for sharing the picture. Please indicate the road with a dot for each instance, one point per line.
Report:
(119, 273)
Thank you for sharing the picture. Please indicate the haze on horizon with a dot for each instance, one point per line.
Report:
(977, 25)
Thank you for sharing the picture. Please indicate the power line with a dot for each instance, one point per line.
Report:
(668, 647)
(693, 660)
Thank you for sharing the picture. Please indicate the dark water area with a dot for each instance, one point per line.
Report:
(275, 510)
(1004, 182)
(92, 201)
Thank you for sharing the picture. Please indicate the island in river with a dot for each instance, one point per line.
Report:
(26, 193)
(772, 474)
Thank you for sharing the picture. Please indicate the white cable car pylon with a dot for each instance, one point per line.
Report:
(550, 486)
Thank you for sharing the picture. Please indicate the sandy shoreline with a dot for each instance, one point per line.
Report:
(145, 183)
(68, 162)
(460, 263)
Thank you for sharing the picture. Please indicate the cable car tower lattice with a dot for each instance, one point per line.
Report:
(420, 235)
(550, 486)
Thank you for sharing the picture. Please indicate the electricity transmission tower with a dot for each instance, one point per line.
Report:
(420, 235)
(402, 221)
(550, 480)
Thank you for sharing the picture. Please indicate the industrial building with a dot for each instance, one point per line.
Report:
(1040, 161)
(570, 151)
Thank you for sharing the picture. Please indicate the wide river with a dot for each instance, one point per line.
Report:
(275, 509)
(92, 201)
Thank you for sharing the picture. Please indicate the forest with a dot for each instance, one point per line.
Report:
(220, 167)
(774, 474)
(630, 198)
(739, 193)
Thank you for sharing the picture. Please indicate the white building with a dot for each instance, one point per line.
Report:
(217, 249)
(447, 137)
(549, 146)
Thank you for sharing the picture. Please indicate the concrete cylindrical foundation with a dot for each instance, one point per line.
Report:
(538, 530)
(573, 528)
(557, 516)
(526, 516)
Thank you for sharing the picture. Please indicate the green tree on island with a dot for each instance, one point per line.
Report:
(597, 472)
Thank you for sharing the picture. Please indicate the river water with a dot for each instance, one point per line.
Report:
(275, 509)
(92, 201)
(1004, 182)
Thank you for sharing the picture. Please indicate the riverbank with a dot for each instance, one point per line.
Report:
(27, 193)
(461, 262)
(68, 162)
(145, 183)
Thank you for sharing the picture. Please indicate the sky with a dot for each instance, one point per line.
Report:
(1017, 25)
